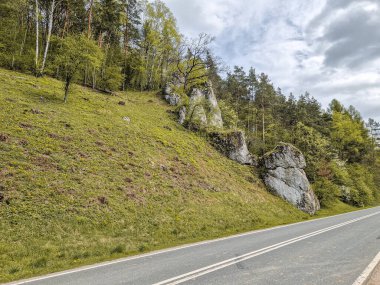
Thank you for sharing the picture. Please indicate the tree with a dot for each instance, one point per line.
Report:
(37, 12)
(314, 146)
(74, 55)
(192, 60)
(348, 134)
(15, 25)
(159, 41)
(265, 98)
(48, 36)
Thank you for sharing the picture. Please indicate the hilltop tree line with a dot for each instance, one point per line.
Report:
(115, 45)
(105, 44)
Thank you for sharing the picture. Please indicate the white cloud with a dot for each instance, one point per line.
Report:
(328, 47)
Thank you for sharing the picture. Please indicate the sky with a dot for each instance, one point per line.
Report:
(330, 48)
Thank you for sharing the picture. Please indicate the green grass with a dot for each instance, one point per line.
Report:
(78, 184)
(337, 208)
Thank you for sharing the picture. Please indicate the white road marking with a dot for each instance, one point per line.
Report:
(368, 271)
(121, 260)
(220, 265)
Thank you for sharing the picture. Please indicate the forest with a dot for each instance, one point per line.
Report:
(118, 45)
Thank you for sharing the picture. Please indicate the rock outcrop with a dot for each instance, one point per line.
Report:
(170, 96)
(233, 145)
(197, 112)
(202, 111)
(215, 115)
(284, 175)
(203, 108)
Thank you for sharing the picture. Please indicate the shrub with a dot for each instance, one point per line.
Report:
(363, 183)
(111, 79)
(326, 191)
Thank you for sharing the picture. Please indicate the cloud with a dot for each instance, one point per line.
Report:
(352, 35)
(328, 47)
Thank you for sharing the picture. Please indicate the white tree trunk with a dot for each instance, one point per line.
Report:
(37, 36)
(50, 27)
(90, 19)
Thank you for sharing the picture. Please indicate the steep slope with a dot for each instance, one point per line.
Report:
(95, 179)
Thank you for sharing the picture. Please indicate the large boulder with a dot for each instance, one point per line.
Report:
(284, 175)
(233, 145)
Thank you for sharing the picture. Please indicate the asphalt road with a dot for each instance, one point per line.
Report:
(327, 251)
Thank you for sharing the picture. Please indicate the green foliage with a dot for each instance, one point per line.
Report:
(363, 185)
(75, 54)
(112, 79)
(326, 191)
(160, 39)
(376, 175)
(193, 63)
(314, 146)
(349, 137)
(229, 116)
(356, 182)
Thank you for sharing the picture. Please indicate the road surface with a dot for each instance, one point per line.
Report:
(333, 250)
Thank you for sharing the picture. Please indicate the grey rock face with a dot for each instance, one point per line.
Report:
(215, 116)
(204, 109)
(234, 146)
(172, 98)
(182, 115)
(285, 177)
(197, 113)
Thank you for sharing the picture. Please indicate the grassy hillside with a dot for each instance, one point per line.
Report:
(80, 184)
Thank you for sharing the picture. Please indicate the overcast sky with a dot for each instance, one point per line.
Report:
(330, 48)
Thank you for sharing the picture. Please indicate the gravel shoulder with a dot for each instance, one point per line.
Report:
(375, 278)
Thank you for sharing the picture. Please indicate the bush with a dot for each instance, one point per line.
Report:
(326, 191)
(363, 183)
(112, 79)
(356, 183)
(341, 176)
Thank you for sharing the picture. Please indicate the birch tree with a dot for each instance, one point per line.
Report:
(37, 35)
(48, 36)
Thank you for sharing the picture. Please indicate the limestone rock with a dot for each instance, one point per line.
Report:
(204, 109)
(170, 96)
(197, 113)
(233, 145)
(182, 115)
(215, 115)
(285, 177)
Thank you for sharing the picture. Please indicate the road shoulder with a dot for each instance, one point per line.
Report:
(375, 277)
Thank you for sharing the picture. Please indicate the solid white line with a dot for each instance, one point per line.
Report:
(368, 271)
(121, 260)
(220, 265)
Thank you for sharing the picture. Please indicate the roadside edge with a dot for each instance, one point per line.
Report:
(365, 277)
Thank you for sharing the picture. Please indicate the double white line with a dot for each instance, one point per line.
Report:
(228, 262)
